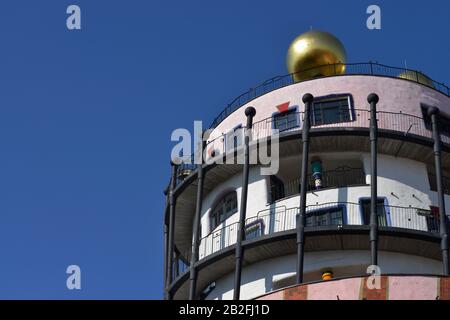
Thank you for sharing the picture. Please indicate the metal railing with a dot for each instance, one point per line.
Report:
(337, 178)
(406, 124)
(367, 68)
(280, 219)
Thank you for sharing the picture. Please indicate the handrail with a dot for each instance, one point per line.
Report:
(388, 120)
(365, 68)
(281, 218)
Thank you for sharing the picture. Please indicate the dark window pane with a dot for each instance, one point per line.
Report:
(224, 209)
(381, 212)
(325, 217)
(286, 120)
(276, 189)
(331, 111)
(253, 231)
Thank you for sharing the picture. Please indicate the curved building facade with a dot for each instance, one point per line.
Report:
(204, 202)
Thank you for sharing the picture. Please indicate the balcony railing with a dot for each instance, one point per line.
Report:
(337, 178)
(368, 68)
(280, 219)
(404, 123)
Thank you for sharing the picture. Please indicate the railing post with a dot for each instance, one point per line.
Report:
(195, 242)
(371, 68)
(308, 101)
(433, 112)
(170, 249)
(373, 238)
(250, 113)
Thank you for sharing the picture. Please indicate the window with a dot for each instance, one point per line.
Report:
(444, 121)
(286, 120)
(225, 208)
(276, 189)
(381, 211)
(331, 110)
(325, 217)
(253, 230)
(233, 139)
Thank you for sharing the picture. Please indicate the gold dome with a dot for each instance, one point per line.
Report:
(417, 77)
(311, 52)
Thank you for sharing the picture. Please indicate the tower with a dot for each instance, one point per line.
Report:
(362, 186)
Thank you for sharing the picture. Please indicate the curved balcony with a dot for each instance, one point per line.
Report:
(281, 219)
(272, 232)
(402, 124)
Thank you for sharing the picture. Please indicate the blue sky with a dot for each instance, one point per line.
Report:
(86, 117)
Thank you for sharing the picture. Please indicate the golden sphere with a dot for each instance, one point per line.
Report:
(416, 76)
(310, 54)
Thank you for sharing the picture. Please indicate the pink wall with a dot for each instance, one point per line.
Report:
(392, 288)
(395, 95)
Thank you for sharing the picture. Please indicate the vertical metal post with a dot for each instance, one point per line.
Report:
(433, 112)
(170, 249)
(165, 255)
(250, 113)
(301, 219)
(373, 237)
(196, 236)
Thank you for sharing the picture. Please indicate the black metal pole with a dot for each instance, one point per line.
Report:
(301, 219)
(195, 242)
(165, 255)
(170, 249)
(250, 113)
(373, 237)
(433, 112)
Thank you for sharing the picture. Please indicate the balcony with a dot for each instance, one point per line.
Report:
(330, 226)
(340, 177)
(336, 214)
(402, 124)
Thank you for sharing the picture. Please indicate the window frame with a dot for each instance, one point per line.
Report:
(214, 215)
(387, 210)
(444, 120)
(279, 183)
(341, 207)
(255, 226)
(294, 110)
(334, 97)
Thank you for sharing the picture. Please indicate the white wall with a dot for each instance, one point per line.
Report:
(402, 182)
